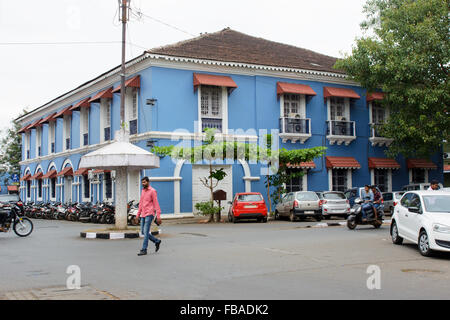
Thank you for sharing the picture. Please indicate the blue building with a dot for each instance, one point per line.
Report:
(241, 85)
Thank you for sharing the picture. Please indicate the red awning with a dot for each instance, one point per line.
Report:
(383, 163)
(24, 129)
(134, 82)
(447, 168)
(375, 96)
(105, 94)
(81, 104)
(35, 124)
(302, 165)
(342, 163)
(420, 164)
(13, 188)
(213, 80)
(81, 172)
(48, 119)
(26, 177)
(37, 176)
(101, 171)
(50, 175)
(62, 113)
(340, 93)
(68, 171)
(284, 87)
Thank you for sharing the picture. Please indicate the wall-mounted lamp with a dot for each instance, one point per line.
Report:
(151, 102)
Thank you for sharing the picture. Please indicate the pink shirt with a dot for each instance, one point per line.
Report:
(149, 203)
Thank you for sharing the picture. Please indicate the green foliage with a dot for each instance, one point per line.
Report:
(218, 174)
(408, 58)
(11, 146)
(207, 208)
(284, 175)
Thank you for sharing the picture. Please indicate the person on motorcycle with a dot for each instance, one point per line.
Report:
(367, 196)
(377, 199)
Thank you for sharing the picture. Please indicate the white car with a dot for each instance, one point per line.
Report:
(423, 217)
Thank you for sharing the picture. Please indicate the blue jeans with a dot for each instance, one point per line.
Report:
(364, 207)
(145, 230)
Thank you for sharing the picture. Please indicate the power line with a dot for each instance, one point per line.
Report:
(139, 14)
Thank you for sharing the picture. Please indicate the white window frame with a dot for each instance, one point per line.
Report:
(84, 125)
(27, 144)
(83, 187)
(389, 179)
(38, 140)
(411, 176)
(224, 105)
(104, 188)
(67, 124)
(51, 136)
(386, 113)
(131, 99)
(50, 188)
(105, 104)
(346, 108)
(349, 178)
(301, 107)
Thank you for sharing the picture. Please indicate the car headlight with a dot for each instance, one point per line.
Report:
(441, 228)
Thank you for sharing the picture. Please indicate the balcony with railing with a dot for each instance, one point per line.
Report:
(339, 131)
(295, 129)
(212, 123)
(376, 138)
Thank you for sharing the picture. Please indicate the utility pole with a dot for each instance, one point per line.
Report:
(124, 4)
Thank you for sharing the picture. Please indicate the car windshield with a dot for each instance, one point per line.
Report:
(249, 197)
(8, 197)
(334, 196)
(437, 203)
(307, 196)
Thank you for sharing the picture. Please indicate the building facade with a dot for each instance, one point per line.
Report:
(241, 85)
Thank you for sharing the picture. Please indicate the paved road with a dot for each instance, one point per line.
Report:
(277, 260)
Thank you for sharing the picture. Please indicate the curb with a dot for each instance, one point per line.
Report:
(114, 235)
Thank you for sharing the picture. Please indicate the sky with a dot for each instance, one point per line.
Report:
(85, 35)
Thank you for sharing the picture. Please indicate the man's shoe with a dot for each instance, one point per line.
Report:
(157, 246)
(142, 253)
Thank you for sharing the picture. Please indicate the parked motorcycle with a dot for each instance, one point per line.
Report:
(355, 217)
(10, 216)
(132, 213)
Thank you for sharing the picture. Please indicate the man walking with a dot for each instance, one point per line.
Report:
(148, 205)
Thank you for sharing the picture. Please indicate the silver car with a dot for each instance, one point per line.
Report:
(299, 204)
(391, 199)
(334, 203)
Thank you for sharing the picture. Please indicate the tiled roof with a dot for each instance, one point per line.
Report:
(420, 164)
(383, 163)
(232, 46)
(342, 162)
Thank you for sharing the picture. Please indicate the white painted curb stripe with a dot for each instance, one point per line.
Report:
(91, 235)
(113, 236)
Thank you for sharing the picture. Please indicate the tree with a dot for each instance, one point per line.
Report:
(408, 58)
(11, 146)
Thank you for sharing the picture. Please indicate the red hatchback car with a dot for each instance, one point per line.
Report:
(248, 205)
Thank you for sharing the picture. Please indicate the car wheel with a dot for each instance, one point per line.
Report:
(396, 239)
(264, 220)
(327, 217)
(292, 216)
(424, 244)
(318, 217)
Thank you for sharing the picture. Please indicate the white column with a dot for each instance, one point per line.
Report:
(121, 198)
